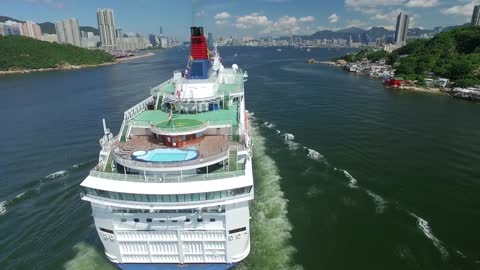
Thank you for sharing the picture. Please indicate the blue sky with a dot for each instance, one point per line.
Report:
(245, 17)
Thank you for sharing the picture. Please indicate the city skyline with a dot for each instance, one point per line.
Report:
(265, 17)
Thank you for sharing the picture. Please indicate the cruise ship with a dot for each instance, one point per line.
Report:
(172, 189)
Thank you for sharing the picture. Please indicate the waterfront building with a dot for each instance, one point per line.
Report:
(401, 28)
(68, 32)
(133, 43)
(106, 26)
(89, 40)
(31, 29)
(11, 28)
(154, 40)
(476, 16)
(50, 37)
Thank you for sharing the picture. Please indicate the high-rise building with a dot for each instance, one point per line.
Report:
(210, 40)
(50, 37)
(476, 16)
(154, 40)
(31, 29)
(11, 28)
(402, 28)
(106, 26)
(68, 32)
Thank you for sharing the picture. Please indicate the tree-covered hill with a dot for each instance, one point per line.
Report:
(18, 53)
(453, 54)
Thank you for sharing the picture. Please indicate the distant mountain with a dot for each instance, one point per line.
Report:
(351, 30)
(354, 32)
(5, 18)
(49, 27)
(448, 28)
(361, 34)
(90, 29)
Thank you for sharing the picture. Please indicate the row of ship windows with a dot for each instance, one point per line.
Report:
(242, 229)
(149, 220)
(218, 209)
(168, 198)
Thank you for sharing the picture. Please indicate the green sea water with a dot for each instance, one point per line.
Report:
(348, 175)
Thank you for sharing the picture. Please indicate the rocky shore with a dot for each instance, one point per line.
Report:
(60, 67)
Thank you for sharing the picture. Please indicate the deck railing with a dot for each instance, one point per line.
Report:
(166, 178)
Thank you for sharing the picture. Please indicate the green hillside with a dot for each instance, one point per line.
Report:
(453, 54)
(18, 52)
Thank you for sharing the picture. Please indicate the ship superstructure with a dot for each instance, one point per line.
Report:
(172, 189)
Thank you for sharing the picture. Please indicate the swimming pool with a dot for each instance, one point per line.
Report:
(165, 155)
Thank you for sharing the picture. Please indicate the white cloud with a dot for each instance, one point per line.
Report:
(356, 23)
(333, 18)
(390, 16)
(307, 19)
(422, 3)
(251, 20)
(461, 10)
(222, 16)
(372, 3)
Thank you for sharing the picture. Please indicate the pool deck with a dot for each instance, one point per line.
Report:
(209, 146)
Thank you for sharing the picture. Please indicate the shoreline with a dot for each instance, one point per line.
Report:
(67, 67)
(419, 89)
(135, 57)
(72, 67)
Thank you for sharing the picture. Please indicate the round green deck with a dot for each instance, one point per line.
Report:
(179, 123)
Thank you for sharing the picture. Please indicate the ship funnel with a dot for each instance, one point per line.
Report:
(198, 63)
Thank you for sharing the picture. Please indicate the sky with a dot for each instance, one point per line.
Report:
(245, 17)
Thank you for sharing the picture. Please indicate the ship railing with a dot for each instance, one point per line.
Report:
(130, 163)
(174, 130)
(166, 178)
(137, 109)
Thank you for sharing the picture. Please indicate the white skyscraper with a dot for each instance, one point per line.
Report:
(476, 16)
(68, 32)
(106, 26)
(402, 28)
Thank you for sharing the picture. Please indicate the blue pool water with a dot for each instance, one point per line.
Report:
(165, 155)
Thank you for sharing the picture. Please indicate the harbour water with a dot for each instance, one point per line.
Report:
(349, 175)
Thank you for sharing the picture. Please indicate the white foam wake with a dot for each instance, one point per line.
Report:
(379, 201)
(3, 208)
(314, 154)
(269, 125)
(352, 182)
(56, 174)
(288, 137)
(423, 225)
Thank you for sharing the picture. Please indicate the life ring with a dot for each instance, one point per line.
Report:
(97, 167)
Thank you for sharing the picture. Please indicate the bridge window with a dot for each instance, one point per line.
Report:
(237, 230)
(136, 220)
(149, 220)
(215, 195)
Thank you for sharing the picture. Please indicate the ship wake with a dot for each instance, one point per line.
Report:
(35, 186)
(380, 202)
(270, 228)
